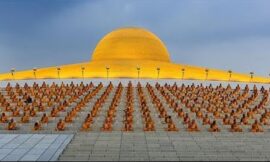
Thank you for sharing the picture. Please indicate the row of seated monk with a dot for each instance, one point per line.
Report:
(192, 126)
(217, 101)
(128, 115)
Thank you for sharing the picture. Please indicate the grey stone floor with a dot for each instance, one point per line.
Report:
(163, 146)
(32, 147)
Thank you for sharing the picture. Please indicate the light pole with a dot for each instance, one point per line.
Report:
(58, 72)
(158, 69)
(83, 68)
(138, 71)
(34, 72)
(13, 73)
(206, 73)
(251, 76)
(183, 73)
(230, 75)
(107, 69)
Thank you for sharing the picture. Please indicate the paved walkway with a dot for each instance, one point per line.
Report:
(162, 146)
(32, 147)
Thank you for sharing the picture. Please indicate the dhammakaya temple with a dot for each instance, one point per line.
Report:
(131, 102)
(131, 53)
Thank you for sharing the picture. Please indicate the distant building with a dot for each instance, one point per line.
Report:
(131, 53)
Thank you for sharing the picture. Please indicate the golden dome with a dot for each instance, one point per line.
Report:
(130, 44)
(131, 53)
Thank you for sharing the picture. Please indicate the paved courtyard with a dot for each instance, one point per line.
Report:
(95, 145)
(135, 146)
(140, 146)
(32, 147)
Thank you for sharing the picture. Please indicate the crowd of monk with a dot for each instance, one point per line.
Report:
(26, 102)
(96, 108)
(194, 106)
(230, 106)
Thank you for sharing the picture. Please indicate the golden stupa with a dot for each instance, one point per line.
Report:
(131, 53)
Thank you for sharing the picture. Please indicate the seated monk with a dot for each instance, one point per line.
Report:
(111, 113)
(49, 103)
(128, 127)
(32, 112)
(214, 127)
(20, 103)
(25, 118)
(41, 107)
(107, 126)
(193, 109)
(175, 108)
(250, 114)
(264, 120)
(8, 108)
(267, 113)
(65, 103)
(233, 113)
(245, 120)
(129, 110)
(128, 119)
(68, 118)
(209, 109)
(171, 126)
(37, 126)
(225, 109)
(181, 113)
(94, 112)
(239, 111)
(235, 127)
(226, 120)
(61, 107)
(206, 120)
(73, 112)
(146, 113)
(11, 125)
(4, 118)
(186, 119)
(109, 119)
(89, 118)
(26, 108)
(16, 112)
(256, 127)
(192, 126)
(44, 118)
(60, 125)
(149, 125)
(199, 114)
(168, 119)
(54, 112)
(216, 114)
(86, 126)
(163, 113)
(78, 107)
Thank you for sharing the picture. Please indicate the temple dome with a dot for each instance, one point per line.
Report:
(130, 43)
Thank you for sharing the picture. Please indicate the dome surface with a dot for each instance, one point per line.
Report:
(130, 43)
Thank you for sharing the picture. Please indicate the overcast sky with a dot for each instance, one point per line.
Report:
(224, 34)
